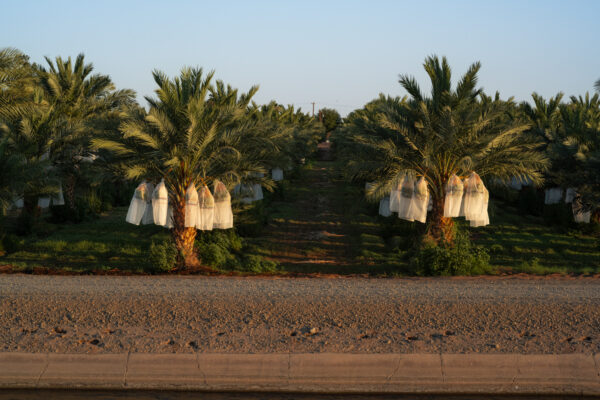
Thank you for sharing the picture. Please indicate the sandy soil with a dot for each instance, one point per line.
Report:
(98, 314)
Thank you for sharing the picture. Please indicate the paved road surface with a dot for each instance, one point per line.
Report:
(88, 314)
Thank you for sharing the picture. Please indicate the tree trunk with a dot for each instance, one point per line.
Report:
(70, 191)
(184, 238)
(439, 228)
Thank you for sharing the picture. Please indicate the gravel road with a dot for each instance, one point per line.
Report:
(103, 314)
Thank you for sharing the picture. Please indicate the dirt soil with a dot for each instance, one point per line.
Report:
(103, 314)
(317, 233)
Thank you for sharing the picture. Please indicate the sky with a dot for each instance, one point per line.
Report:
(338, 54)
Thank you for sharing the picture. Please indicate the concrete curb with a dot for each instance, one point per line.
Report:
(564, 374)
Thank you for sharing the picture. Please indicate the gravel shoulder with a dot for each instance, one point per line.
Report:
(185, 314)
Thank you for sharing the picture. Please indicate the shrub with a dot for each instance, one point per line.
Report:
(460, 258)
(12, 244)
(257, 264)
(212, 254)
(163, 256)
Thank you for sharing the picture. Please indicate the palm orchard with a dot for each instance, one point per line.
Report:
(200, 154)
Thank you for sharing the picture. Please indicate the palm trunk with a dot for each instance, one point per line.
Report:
(440, 228)
(184, 238)
(70, 191)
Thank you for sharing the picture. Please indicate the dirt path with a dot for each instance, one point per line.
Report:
(314, 229)
(95, 314)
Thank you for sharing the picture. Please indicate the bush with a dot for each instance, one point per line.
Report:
(163, 256)
(11, 244)
(460, 258)
(257, 264)
(224, 249)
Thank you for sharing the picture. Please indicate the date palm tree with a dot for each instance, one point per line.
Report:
(193, 133)
(81, 99)
(452, 131)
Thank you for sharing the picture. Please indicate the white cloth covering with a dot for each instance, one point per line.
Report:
(137, 207)
(160, 204)
(148, 217)
(43, 202)
(483, 219)
(384, 207)
(579, 215)
(223, 217)
(169, 220)
(407, 190)
(454, 197)
(553, 196)
(257, 191)
(570, 194)
(277, 174)
(474, 197)
(18, 202)
(206, 209)
(58, 199)
(419, 202)
(395, 197)
(191, 206)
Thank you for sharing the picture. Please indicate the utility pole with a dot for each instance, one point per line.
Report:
(313, 103)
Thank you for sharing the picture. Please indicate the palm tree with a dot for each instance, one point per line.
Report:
(193, 133)
(453, 131)
(81, 100)
(19, 175)
(16, 83)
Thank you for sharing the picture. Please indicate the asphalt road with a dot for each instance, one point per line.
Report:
(103, 314)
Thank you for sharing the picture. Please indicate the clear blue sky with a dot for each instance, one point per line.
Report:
(339, 54)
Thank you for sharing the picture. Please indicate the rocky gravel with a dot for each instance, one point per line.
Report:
(104, 314)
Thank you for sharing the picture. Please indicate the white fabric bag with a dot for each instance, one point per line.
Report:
(160, 204)
(137, 207)
(579, 215)
(474, 197)
(18, 202)
(191, 206)
(43, 202)
(58, 199)
(483, 218)
(407, 192)
(454, 197)
(420, 201)
(384, 207)
(395, 197)
(553, 196)
(148, 217)
(570, 195)
(206, 210)
(169, 220)
(257, 192)
(223, 217)
(245, 192)
(277, 174)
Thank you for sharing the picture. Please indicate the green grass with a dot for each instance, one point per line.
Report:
(102, 244)
(375, 245)
(526, 244)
